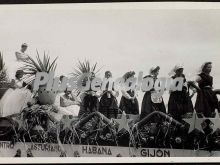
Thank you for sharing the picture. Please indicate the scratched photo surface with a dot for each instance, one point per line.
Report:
(109, 82)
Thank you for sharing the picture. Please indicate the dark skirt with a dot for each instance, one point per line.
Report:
(129, 106)
(89, 104)
(179, 104)
(148, 106)
(206, 102)
(108, 106)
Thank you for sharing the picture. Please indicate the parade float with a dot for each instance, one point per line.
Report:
(42, 130)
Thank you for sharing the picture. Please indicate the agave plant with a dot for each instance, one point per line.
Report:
(84, 67)
(3, 74)
(31, 66)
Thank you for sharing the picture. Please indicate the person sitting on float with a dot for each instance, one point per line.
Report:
(69, 104)
(68, 99)
(19, 92)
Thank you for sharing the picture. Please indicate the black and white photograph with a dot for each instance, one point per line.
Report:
(100, 80)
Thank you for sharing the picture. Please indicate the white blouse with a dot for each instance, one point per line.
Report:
(21, 56)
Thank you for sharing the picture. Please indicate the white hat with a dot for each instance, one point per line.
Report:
(176, 67)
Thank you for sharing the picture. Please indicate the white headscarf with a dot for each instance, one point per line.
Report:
(175, 68)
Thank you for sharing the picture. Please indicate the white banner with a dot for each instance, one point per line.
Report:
(54, 150)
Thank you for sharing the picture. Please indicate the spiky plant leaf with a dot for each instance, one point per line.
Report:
(82, 68)
(3, 72)
(32, 66)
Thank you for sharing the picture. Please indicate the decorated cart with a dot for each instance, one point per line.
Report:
(43, 130)
(95, 135)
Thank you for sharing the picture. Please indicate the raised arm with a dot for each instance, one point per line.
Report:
(193, 84)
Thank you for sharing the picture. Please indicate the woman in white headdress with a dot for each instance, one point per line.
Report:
(108, 102)
(180, 102)
(206, 101)
(150, 101)
(129, 102)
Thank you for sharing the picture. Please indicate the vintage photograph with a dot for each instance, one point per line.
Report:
(84, 81)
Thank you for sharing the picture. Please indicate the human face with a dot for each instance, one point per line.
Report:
(208, 68)
(132, 76)
(19, 75)
(92, 76)
(23, 48)
(179, 71)
(108, 75)
(61, 78)
(155, 73)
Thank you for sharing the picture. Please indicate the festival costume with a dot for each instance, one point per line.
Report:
(148, 106)
(129, 106)
(71, 110)
(15, 65)
(180, 102)
(15, 100)
(108, 105)
(90, 103)
(206, 101)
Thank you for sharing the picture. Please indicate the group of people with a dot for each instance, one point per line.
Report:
(15, 99)
(179, 104)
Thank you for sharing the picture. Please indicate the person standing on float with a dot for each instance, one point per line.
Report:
(108, 102)
(206, 101)
(90, 101)
(129, 102)
(21, 55)
(180, 102)
(18, 62)
(151, 102)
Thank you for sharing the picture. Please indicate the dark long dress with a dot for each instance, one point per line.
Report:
(129, 106)
(148, 106)
(206, 101)
(180, 102)
(108, 105)
(89, 104)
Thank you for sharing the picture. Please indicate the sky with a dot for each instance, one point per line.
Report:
(118, 40)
